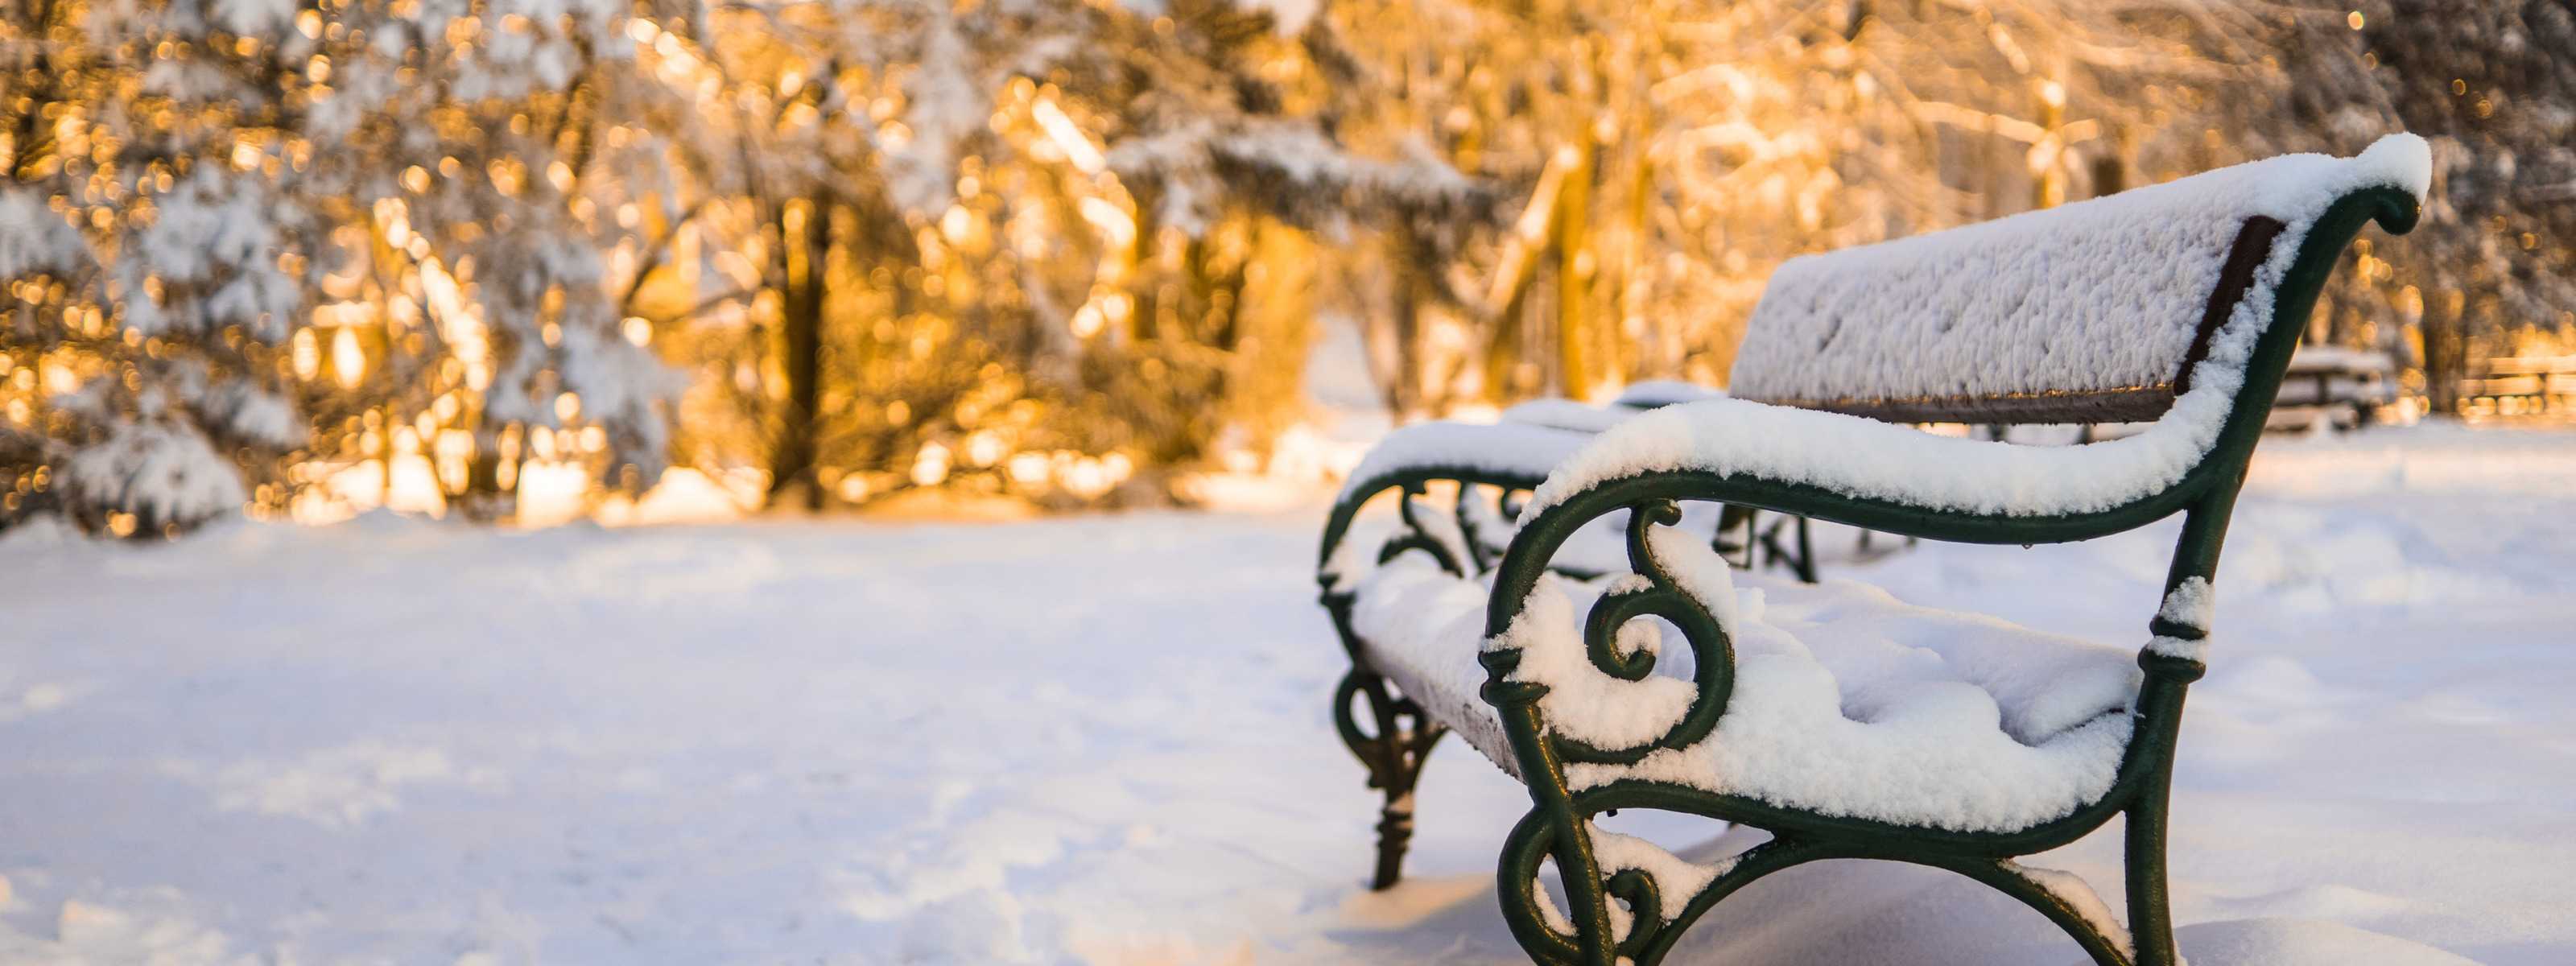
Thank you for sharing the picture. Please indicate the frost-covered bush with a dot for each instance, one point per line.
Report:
(152, 476)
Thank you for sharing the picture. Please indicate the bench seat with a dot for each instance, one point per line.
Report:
(1847, 702)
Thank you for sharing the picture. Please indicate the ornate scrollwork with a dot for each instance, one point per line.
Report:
(1416, 536)
(1485, 519)
(1637, 889)
(1655, 594)
(1526, 906)
(1627, 902)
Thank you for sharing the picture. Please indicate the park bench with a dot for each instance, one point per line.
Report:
(1842, 722)
(2519, 385)
(2341, 387)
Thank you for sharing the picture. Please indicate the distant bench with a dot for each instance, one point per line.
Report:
(2344, 387)
(1843, 722)
(2523, 385)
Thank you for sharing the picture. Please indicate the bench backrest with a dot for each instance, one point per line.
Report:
(2096, 311)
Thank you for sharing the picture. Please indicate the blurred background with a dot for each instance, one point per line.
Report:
(521, 260)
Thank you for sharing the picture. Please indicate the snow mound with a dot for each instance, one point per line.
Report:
(2302, 942)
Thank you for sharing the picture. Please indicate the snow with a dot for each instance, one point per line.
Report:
(1509, 448)
(402, 742)
(1309, 175)
(2096, 295)
(1885, 461)
(2077, 893)
(2189, 649)
(1665, 392)
(162, 471)
(2192, 603)
(1847, 701)
(1531, 438)
(33, 238)
(1676, 879)
(240, 407)
(1567, 414)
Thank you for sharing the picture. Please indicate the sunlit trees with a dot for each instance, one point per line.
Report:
(1664, 156)
(1040, 249)
(266, 254)
(154, 239)
(821, 326)
(1221, 129)
(496, 176)
(2489, 84)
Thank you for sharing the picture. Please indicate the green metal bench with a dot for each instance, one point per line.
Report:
(1534, 627)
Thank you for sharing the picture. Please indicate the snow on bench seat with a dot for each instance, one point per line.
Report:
(1530, 440)
(1500, 450)
(1847, 701)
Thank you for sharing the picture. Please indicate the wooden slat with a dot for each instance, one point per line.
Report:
(2138, 405)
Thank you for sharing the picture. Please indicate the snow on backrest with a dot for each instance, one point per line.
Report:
(2088, 312)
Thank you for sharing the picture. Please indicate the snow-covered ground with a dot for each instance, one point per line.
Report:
(1105, 740)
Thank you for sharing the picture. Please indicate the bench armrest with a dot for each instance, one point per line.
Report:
(1511, 456)
(1887, 476)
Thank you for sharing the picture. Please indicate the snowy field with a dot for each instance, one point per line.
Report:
(1104, 740)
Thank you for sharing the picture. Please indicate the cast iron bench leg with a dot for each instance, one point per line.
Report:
(1394, 749)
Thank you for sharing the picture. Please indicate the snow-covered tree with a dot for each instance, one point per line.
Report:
(237, 229)
(155, 244)
(497, 173)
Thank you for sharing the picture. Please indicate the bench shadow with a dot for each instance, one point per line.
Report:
(1841, 912)
(1849, 912)
(1450, 920)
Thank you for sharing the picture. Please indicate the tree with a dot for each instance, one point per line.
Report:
(1672, 153)
(154, 240)
(2494, 86)
(494, 195)
(1038, 248)
(255, 215)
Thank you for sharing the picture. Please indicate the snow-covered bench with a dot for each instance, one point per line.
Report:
(1843, 722)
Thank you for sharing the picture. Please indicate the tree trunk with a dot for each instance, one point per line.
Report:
(1406, 262)
(805, 235)
(2446, 359)
(484, 501)
(1574, 268)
